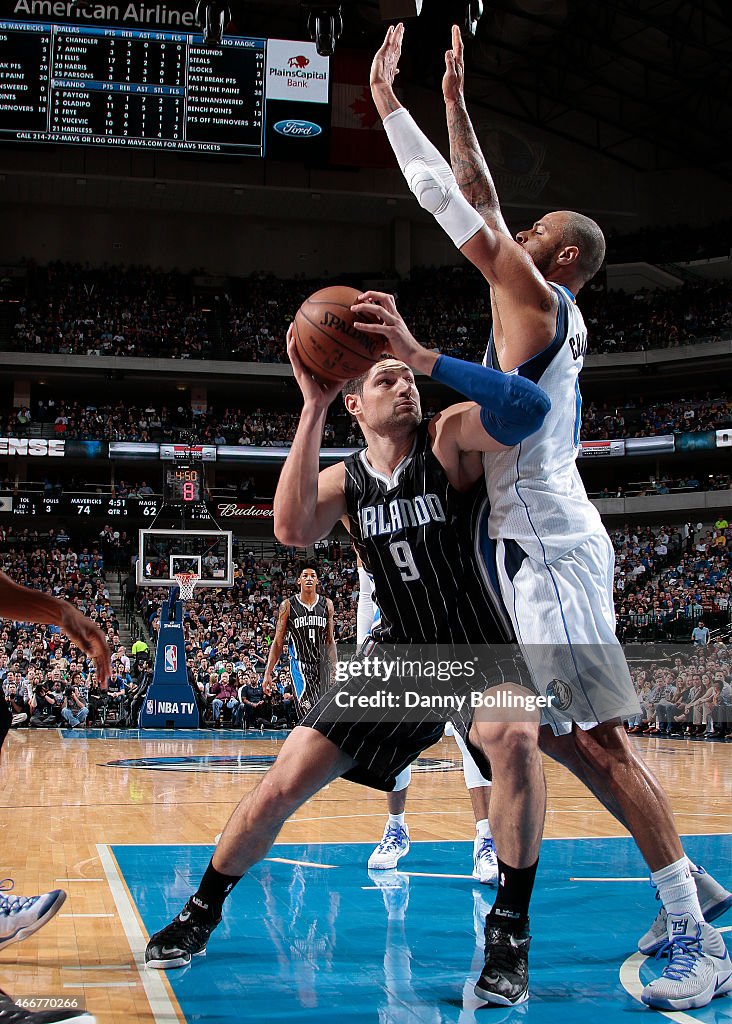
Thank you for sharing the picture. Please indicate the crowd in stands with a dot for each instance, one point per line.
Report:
(672, 583)
(134, 311)
(667, 577)
(125, 421)
(685, 693)
(228, 633)
(46, 680)
(111, 311)
(665, 484)
(640, 418)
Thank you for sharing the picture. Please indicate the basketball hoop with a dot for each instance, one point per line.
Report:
(186, 582)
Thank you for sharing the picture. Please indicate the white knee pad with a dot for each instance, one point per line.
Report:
(403, 779)
(471, 771)
(430, 178)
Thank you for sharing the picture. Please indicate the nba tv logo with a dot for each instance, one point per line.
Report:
(171, 658)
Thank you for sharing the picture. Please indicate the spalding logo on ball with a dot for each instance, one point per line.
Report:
(326, 340)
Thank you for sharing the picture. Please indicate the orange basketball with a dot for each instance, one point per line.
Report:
(326, 340)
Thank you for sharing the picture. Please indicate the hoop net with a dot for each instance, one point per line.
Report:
(186, 582)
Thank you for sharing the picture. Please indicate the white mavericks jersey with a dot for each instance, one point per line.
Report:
(537, 496)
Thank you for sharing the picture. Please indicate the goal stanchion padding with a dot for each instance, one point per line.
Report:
(170, 702)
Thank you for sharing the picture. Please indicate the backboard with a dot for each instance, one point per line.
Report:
(164, 552)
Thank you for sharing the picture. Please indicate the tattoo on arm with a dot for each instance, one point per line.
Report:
(470, 168)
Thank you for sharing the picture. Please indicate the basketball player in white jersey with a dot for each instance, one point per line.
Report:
(395, 842)
(555, 558)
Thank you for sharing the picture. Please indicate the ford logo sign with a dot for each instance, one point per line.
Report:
(298, 129)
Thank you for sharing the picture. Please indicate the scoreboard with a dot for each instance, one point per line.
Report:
(92, 506)
(102, 85)
(82, 505)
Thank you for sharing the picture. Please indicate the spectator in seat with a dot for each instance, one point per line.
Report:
(224, 695)
(253, 703)
(117, 690)
(42, 708)
(16, 699)
(289, 702)
(122, 659)
(700, 634)
(73, 710)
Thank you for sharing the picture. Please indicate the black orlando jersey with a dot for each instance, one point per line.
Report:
(307, 630)
(427, 546)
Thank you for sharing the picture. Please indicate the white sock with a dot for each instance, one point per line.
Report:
(483, 828)
(396, 819)
(677, 889)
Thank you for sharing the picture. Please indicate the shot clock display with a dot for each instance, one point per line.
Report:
(183, 485)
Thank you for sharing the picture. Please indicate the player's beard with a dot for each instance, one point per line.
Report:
(544, 260)
(405, 418)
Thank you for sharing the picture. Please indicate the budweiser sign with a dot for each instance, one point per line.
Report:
(232, 509)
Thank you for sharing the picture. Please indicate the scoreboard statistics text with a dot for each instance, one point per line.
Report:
(157, 89)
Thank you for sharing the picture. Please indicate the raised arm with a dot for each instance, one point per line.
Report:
(502, 261)
(307, 503)
(507, 407)
(466, 157)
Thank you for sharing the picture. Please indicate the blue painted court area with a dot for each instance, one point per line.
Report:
(322, 940)
(173, 734)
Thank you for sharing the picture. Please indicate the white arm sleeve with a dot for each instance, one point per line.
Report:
(430, 177)
(366, 605)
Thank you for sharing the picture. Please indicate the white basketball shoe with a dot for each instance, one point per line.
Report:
(393, 846)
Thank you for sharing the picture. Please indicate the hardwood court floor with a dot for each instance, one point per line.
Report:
(65, 804)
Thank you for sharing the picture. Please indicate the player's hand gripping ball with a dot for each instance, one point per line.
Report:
(326, 340)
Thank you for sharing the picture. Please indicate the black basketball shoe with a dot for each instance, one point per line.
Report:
(12, 1014)
(505, 977)
(186, 936)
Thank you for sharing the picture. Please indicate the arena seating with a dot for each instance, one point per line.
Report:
(668, 578)
(124, 421)
(137, 311)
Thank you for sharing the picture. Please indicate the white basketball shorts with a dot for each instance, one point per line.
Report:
(564, 619)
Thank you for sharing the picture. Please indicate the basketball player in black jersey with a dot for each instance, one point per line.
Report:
(415, 502)
(307, 621)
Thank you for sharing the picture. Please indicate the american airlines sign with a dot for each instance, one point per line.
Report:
(232, 510)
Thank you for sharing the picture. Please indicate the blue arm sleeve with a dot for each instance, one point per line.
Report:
(511, 407)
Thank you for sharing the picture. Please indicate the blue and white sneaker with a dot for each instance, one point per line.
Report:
(714, 901)
(485, 861)
(698, 969)
(20, 916)
(393, 846)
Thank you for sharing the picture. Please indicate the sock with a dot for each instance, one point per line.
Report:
(396, 819)
(213, 890)
(677, 889)
(483, 828)
(515, 885)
